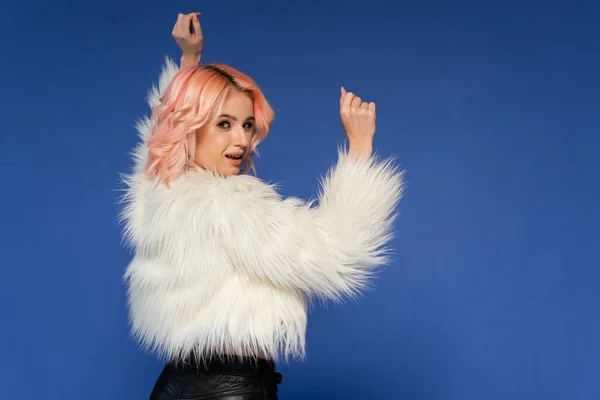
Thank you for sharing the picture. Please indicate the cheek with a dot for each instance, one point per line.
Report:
(212, 145)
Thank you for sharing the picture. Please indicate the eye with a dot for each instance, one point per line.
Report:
(248, 125)
(224, 125)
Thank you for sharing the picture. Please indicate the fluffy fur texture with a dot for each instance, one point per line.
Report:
(225, 265)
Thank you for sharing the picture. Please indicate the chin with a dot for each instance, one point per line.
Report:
(230, 171)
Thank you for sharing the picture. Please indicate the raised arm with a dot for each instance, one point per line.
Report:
(187, 32)
(331, 250)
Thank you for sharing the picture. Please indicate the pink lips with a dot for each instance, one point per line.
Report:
(237, 163)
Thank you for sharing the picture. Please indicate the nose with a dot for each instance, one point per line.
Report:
(241, 137)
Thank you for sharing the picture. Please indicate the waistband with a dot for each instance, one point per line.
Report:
(249, 366)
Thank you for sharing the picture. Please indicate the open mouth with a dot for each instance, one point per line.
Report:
(234, 156)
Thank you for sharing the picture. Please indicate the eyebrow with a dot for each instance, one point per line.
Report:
(251, 118)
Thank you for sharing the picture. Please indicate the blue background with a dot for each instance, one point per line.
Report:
(492, 107)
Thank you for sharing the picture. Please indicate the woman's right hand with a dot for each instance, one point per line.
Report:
(188, 35)
(358, 120)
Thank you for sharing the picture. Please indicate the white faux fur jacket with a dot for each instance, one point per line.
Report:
(225, 265)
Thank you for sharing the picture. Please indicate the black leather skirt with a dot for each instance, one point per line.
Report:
(245, 379)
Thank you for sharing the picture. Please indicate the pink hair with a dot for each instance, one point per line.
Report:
(192, 100)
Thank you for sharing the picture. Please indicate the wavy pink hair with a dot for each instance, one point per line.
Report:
(192, 100)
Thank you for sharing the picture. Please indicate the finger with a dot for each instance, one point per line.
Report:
(180, 22)
(364, 106)
(189, 24)
(185, 27)
(372, 107)
(176, 26)
(355, 102)
(196, 24)
(347, 99)
(343, 93)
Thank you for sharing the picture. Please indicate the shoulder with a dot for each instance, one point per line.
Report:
(208, 196)
(198, 201)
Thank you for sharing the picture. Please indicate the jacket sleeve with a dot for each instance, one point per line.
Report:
(330, 250)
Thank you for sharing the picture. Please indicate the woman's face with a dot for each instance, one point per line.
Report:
(224, 143)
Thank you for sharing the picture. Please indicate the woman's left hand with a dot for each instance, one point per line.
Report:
(187, 32)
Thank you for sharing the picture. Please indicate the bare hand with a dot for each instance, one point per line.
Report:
(358, 120)
(188, 34)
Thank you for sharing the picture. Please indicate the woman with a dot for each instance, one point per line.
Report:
(224, 268)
